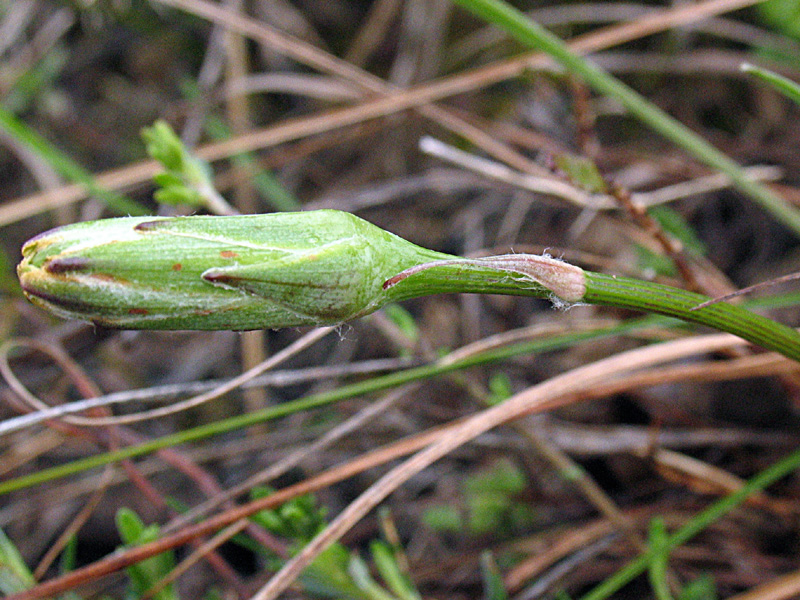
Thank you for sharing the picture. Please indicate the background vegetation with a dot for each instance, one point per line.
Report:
(423, 119)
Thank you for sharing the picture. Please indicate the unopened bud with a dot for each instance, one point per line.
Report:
(242, 272)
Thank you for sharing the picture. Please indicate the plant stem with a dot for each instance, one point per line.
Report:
(491, 276)
(623, 292)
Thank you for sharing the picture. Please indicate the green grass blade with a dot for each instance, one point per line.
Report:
(716, 511)
(786, 86)
(343, 392)
(65, 166)
(659, 552)
(14, 573)
(530, 33)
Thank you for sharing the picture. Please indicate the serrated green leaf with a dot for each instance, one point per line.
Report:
(188, 179)
(164, 145)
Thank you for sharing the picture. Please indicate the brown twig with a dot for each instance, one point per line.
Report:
(672, 247)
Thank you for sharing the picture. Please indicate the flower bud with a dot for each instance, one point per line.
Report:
(203, 272)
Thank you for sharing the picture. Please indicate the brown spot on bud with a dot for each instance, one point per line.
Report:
(146, 226)
(56, 266)
(213, 276)
(392, 281)
(177, 267)
(69, 304)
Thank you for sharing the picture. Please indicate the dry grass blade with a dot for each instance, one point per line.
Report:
(700, 474)
(274, 378)
(545, 396)
(75, 524)
(570, 193)
(435, 442)
(783, 588)
(274, 471)
(565, 545)
(269, 474)
(414, 97)
(201, 552)
(46, 37)
(28, 448)
(181, 406)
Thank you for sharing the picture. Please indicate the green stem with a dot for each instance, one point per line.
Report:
(623, 292)
(530, 33)
(514, 276)
(784, 85)
(454, 275)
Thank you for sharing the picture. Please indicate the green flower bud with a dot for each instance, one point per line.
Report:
(203, 272)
